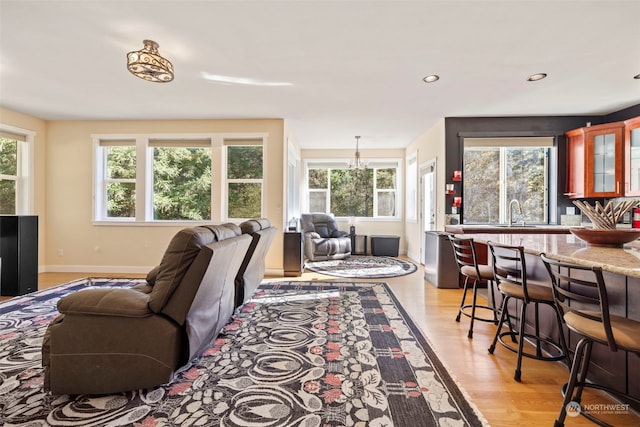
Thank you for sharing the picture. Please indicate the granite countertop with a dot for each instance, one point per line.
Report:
(569, 248)
(512, 229)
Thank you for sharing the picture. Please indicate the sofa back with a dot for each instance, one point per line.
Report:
(214, 302)
(321, 223)
(177, 260)
(253, 266)
(194, 283)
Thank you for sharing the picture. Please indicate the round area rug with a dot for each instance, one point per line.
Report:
(363, 266)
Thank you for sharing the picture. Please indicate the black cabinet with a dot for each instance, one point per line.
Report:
(18, 254)
(293, 253)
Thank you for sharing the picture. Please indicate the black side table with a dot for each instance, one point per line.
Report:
(358, 244)
(293, 253)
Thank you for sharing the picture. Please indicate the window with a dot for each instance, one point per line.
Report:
(162, 178)
(181, 179)
(370, 192)
(497, 171)
(16, 164)
(244, 178)
(8, 175)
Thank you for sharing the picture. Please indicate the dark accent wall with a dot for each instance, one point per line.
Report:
(457, 128)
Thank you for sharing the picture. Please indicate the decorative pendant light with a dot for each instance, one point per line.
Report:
(149, 65)
(357, 162)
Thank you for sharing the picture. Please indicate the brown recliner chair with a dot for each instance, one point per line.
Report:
(114, 340)
(252, 269)
(322, 239)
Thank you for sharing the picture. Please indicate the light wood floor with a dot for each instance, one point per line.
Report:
(486, 379)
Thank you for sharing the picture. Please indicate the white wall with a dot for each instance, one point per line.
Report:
(429, 146)
(70, 241)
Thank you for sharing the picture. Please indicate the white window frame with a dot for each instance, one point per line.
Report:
(505, 143)
(242, 141)
(25, 178)
(144, 176)
(372, 164)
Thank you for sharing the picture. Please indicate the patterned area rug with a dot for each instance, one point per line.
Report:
(363, 267)
(298, 354)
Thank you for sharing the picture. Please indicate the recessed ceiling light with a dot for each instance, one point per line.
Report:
(536, 77)
(431, 78)
(637, 77)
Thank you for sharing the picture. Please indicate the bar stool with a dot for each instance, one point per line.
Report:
(579, 286)
(510, 272)
(467, 261)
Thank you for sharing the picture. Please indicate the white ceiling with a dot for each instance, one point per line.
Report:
(353, 67)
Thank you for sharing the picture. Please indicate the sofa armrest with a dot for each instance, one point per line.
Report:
(311, 235)
(106, 302)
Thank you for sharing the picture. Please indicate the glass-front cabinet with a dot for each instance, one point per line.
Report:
(595, 161)
(632, 156)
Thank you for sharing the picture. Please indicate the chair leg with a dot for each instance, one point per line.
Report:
(503, 314)
(464, 296)
(523, 312)
(563, 341)
(537, 327)
(493, 301)
(576, 369)
(473, 307)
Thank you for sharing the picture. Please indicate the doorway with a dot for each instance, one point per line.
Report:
(428, 206)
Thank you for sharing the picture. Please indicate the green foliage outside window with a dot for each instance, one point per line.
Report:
(121, 196)
(8, 166)
(244, 162)
(352, 192)
(181, 183)
(318, 178)
(524, 172)
(244, 175)
(244, 200)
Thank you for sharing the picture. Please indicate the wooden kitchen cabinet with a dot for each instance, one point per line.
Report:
(632, 157)
(595, 161)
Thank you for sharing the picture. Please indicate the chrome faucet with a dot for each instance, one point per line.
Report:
(517, 203)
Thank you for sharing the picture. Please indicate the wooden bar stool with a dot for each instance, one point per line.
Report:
(510, 272)
(581, 295)
(467, 261)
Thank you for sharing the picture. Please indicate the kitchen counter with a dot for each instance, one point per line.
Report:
(621, 271)
(567, 247)
(513, 229)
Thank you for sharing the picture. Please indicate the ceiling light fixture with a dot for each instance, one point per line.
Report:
(431, 78)
(637, 77)
(357, 162)
(149, 65)
(536, 77)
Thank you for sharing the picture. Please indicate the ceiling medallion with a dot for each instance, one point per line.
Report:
(149, 65)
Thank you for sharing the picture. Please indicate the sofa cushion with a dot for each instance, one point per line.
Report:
(182, 250)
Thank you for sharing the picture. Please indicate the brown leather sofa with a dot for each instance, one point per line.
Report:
(253, 266)
(114, 340)
(322, 239)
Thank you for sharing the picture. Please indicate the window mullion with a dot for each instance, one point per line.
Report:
(144, 180)
(503, 186)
